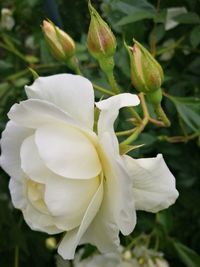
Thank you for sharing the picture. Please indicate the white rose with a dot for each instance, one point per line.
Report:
(65, 177)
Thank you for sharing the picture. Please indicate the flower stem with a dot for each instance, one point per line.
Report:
(161, 115)
(112, 82)
(103, 90)
(16, 263)
(135, 134)
(126, 132)
(139, 128)
(135, 114)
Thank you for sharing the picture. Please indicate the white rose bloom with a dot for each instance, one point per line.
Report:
(67, 178)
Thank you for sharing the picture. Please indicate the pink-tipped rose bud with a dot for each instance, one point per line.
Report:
(60, 43)
(146, 72)
(100, 41)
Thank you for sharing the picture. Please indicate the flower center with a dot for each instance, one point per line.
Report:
(35, 194)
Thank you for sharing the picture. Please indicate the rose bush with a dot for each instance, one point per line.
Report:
(67, 178)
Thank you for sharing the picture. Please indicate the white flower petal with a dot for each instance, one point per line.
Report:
(72, 239)
(16, 192)
(104, 231)
(12, 138)
(120, 187)
(35, 219)
(70, 198)
(67, 151)
(31, 162)
(124, 208)
(72, 93)
(153, 183)
(109, 112)
(35, 113)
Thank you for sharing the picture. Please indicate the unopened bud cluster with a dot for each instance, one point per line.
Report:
(60, 43)
(146, 73)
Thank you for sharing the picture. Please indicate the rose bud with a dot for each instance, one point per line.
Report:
(100, 41)
(60, 43)
(146, 72)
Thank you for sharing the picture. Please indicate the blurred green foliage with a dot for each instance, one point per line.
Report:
(171, 30)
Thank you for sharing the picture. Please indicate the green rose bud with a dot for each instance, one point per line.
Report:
(146, 72)
(60, 43)
(100, 41)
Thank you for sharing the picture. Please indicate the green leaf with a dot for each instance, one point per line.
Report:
(138, 15)
(187, 255)
(189, 110)
(188, 18)
(195, 36)
(3, 88)
(134, 6)
(165, 219)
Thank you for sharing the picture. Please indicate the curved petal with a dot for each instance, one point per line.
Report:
(119, 187)
(70, 198)
(72, 93)
(35, 113)
(153, 183)
(67, 151)
(109, 112)
(124, 210)
(31, 162)
(12, 138)
(104, 231)
(72, 239)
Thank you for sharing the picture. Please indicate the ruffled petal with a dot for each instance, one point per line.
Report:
(67, 151)
(72, 239)
(12, 138)
(153, 183)
(71, 93)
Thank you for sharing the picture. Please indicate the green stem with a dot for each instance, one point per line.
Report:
(135, 114)
(112, 82)
(170, 47)
(16, 263)
(103, 90)
(126, 132)
(107, 65)
(161, 115)
(135, 134)
(14, 51)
